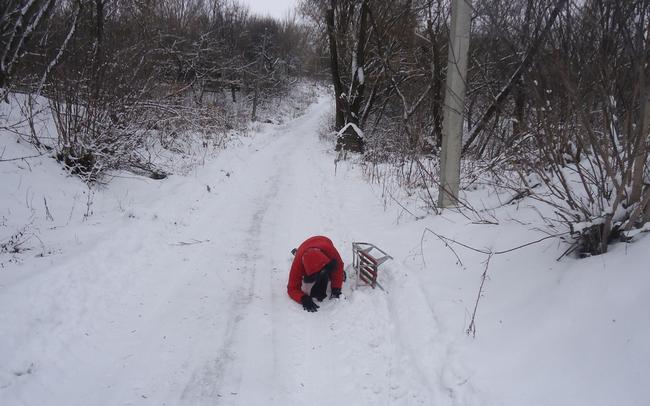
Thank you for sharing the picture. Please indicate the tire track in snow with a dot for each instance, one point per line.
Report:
(220, 379)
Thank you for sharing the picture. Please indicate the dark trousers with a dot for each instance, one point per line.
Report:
(319, 289)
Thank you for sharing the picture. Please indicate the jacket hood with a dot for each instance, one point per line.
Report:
(314, 260)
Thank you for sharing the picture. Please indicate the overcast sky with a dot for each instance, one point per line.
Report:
(274, 8)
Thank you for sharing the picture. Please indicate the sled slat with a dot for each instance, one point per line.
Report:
(366, 260)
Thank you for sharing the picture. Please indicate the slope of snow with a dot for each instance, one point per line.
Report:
(174, 293)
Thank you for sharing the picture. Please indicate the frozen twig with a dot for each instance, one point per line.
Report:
(444, 241)
(21, 158)
(472, 324)
(404, 208)
(490, 253)
(191, 242)
(448, 240)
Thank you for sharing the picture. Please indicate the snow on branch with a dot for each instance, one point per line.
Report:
(354, 127)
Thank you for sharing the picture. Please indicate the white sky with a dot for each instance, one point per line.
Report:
(274, 8)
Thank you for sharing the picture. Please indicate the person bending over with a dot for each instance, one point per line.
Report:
(316, 261)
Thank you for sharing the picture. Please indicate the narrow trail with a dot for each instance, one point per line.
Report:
(202, 316)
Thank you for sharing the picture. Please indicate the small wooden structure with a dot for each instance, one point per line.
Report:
(366, 259)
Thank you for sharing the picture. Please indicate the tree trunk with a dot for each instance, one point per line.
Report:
(436, 79)
(98, 57)
(255, 97)
(334, 66)
(520, 93)
(350, 139)
(358, 79)
(640, 148)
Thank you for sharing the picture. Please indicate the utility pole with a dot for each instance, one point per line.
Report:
(452, 131)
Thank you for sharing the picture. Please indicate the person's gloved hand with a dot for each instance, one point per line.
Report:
(336, 293)
(308, 304)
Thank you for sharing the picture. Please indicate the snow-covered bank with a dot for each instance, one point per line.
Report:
(174, 292)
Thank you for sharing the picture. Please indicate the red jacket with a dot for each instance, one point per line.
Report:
(311, 257)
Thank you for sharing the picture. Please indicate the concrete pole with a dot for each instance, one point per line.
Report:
(452, 129)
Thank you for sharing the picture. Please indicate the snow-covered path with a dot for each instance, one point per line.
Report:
(182, 298)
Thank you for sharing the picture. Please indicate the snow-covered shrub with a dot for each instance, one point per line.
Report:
(581, 124)
(97, 129)
(594, 172)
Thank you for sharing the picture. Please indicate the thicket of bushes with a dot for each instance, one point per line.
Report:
(556, 109)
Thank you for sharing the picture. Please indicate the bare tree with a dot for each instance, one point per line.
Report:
(19, 19)
(347, 24)
(534, 47)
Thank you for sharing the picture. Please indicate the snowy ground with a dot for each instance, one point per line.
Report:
(173, 292)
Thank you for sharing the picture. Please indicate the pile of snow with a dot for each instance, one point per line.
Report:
(174, 292)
